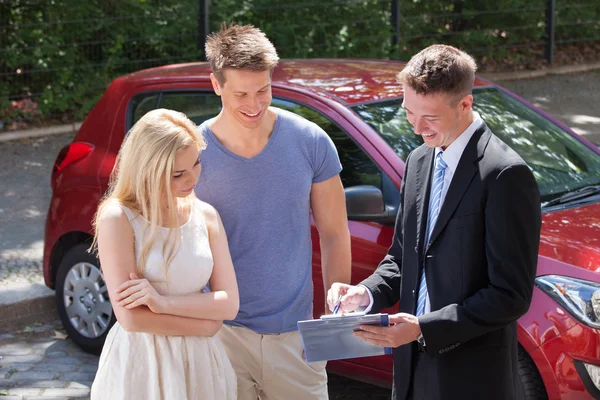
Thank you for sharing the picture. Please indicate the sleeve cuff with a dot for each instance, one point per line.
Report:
(368, 308)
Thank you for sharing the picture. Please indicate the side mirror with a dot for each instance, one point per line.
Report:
(366, 203)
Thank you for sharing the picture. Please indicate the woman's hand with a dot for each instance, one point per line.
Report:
(139, 292)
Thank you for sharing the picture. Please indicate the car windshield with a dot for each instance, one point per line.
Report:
(560, 163)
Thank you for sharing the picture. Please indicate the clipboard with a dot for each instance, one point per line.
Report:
(332, 337)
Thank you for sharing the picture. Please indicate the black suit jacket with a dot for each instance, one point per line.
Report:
(480, 267)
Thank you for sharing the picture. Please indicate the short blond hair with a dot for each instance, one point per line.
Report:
(239, 47)
(440, 69)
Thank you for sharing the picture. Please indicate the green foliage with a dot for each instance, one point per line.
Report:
(309, 28)
(63, 53)
(578, 20)
(481, 27)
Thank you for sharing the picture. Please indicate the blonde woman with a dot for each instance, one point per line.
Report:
(159, 246)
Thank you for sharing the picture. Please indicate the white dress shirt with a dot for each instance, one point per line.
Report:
(451, 156)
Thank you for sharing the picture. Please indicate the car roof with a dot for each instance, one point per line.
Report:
(352, 81)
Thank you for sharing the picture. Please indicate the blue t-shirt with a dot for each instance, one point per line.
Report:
(264, 202)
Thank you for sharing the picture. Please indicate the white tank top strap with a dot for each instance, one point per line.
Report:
(130, 214)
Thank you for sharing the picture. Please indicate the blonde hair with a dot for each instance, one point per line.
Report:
(141, 178)
(239, 47)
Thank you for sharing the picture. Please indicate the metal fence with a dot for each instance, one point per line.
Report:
(58, 56)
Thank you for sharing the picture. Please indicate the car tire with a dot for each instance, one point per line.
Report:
(531, 384)
(82, 299)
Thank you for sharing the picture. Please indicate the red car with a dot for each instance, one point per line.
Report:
(357, 102)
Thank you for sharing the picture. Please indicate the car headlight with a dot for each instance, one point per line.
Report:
(581, 298)
(594, 373)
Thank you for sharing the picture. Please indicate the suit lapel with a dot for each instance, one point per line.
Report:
(423, 178)
(464, 174)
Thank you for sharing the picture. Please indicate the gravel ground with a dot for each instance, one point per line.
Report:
(17, 271)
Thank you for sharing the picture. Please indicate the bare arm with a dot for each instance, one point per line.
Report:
(328, 204)
(223, 301)
(117, 258)
(144, 320)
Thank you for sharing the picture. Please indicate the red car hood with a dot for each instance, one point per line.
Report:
(573, 236)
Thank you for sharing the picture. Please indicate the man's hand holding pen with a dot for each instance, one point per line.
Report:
(342, 298)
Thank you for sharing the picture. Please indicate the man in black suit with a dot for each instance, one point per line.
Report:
(463, 258)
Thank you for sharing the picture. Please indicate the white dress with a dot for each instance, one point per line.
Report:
(153, 367)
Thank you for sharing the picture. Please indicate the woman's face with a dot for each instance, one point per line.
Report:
(186, 171)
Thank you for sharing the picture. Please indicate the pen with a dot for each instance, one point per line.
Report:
(337, 306)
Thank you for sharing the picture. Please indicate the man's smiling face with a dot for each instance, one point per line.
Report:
(246, 95)
(435, 117)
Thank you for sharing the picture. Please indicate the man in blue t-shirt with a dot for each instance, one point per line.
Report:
(264, 169)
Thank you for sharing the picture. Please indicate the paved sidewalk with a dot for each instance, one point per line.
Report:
(39, 362)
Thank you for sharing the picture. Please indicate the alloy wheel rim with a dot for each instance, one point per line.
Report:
(86, 300)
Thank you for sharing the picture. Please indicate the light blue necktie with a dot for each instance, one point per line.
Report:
(435, 203)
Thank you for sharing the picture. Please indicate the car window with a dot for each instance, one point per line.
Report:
(357, 167)
(198, 106)
(560, 162)
(140, 105)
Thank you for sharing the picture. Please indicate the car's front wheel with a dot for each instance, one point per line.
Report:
(82, 299)
(531, 385)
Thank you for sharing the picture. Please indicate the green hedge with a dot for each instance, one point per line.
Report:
(61, 54)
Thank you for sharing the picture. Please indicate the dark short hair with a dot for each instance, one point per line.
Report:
(440, 69)
(239, 47)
